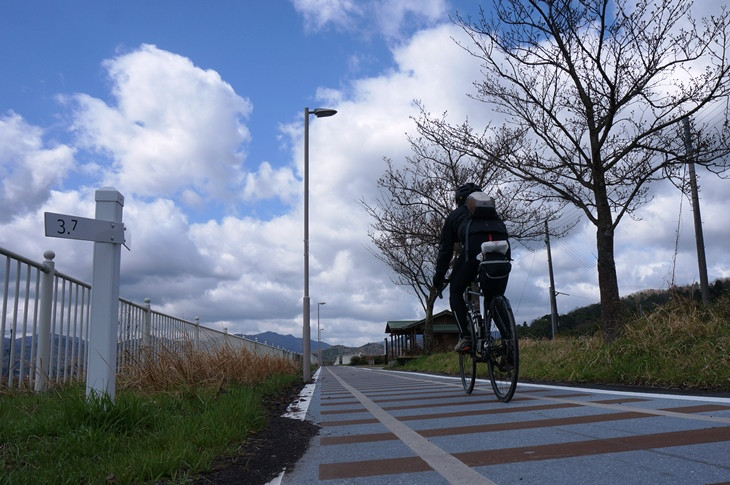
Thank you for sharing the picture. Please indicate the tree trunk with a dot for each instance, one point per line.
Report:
(605, 231)
(428, 327)
(608, 283)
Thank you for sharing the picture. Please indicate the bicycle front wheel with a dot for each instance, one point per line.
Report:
(468, 369)
(504, 358)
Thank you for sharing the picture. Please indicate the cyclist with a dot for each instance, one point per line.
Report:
(475, 213)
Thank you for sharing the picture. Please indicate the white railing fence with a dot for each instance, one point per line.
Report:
(44, 325)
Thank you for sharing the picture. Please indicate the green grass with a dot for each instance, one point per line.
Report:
(166, 422)
(679, 346)
(62, 437)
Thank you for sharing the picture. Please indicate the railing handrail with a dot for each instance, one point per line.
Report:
(71, 279)
(42, 267)
(21, 258)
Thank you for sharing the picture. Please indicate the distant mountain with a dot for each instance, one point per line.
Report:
(24, 346)
(329, 352)
(288, 342)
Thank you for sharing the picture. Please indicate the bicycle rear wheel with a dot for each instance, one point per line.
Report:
(468, 369)
(503, 362)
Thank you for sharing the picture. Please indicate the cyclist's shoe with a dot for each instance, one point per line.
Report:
(463, 345)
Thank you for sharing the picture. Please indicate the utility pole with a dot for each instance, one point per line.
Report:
(553, 302)
(704, 286)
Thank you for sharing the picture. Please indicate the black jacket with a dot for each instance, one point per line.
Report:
(449, 237)
(454, 230)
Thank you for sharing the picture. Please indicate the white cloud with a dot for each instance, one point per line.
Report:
(389, 17)
(392, 15)
(29, 168)
(319, 13)
(173, 127)
(268, 182)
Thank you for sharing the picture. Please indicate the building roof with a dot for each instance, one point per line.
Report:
(406, 326)
(393, 326)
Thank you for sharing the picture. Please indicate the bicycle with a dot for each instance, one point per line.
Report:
(494, 341)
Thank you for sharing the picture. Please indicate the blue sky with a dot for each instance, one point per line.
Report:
(194, 112)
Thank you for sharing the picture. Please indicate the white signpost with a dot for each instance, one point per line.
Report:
(107, 233)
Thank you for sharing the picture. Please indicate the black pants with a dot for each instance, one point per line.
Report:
(461, 277)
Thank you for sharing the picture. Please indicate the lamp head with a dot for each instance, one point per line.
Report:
(324, 112)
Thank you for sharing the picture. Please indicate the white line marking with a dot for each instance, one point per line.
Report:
(679, 397)
(445, 464)
(298, 409)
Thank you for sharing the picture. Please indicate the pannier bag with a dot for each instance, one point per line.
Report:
(494, 267)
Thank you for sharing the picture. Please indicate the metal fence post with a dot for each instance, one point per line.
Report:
(196, 341)
(147, 323)
(43, 356)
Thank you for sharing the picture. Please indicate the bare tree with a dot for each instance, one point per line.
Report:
(594, 93)
(415, 200)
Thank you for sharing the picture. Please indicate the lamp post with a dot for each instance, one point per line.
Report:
(319, 334)
(319, 113)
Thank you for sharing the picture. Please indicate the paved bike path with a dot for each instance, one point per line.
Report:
(388, 427)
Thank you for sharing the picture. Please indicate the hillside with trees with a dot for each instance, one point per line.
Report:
(587, 320)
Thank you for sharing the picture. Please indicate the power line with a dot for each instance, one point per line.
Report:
(529, 272)
(577, 255)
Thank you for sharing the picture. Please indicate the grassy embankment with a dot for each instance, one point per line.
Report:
(170, 419)
(678, 346)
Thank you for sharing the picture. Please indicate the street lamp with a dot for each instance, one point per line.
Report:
(319, 113)
(319, 335)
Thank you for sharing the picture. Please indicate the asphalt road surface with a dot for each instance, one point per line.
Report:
(389, 427)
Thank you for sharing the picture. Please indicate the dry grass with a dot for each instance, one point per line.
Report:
(185, 368)
(690, 340)
(682, 345)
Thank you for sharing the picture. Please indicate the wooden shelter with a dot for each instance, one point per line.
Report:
(406, 336)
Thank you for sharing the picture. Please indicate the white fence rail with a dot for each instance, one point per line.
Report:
(44, 327)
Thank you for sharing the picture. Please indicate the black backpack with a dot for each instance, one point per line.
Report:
(486, 240)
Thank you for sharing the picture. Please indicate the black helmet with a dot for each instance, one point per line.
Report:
(463, 192)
